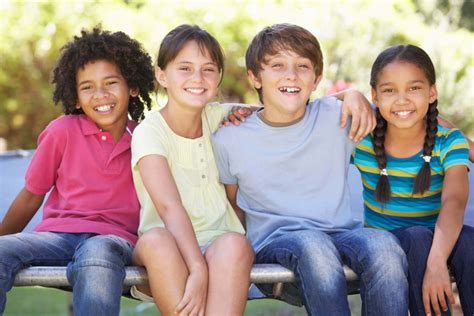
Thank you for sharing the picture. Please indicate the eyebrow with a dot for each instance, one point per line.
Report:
(190, 63)
(410, 82)
(105, 78)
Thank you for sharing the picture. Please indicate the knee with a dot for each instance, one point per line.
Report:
(385, 256)
(416, 239)
(231, 247)
(315, 246)
(102, 250)
(155, 244)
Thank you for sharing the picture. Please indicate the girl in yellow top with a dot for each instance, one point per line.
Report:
(191, 241)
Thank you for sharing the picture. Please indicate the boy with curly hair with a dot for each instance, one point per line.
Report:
(90, 217)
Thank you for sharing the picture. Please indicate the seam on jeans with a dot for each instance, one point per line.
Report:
(298, 276)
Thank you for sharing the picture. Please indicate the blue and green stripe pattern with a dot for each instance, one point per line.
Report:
(405, 209)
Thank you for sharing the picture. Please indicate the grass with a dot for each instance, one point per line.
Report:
(38, 301)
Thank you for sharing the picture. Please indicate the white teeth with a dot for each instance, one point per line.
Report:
(195, 90)
(104, 108)
(403, 113)
(289, 89)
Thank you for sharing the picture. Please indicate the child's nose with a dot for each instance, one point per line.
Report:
(402, 98)
(197, 76)
(101, 92)
(291, 73)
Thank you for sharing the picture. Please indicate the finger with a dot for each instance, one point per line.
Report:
(182, 304)
(373, 119)
(442, 300)
(354, 126)
(239, 116)
(344, 118)
(370, 124)
(187, 309)
(434, 303)
(426, 303)
(362, 127)
(450, 295)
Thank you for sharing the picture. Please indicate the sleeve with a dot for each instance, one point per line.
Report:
(42, 172)
(455, 150)
(220, 145)
(214, 113)
(148, 139)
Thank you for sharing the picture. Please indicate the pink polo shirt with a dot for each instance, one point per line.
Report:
(90, 179)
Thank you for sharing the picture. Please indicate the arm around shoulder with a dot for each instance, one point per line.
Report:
(448, 124)
(23, 208)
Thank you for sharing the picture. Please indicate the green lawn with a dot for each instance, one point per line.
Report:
(37, 301)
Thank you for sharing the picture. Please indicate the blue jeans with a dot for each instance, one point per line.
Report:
(317, 259)
(416, 242)
(95, 266)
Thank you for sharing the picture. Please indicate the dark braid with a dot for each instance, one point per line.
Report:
(423, 179)
(419, 58)
(382, 191)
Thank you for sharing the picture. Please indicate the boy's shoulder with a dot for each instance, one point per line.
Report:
(327, 103)
(231, 131)
(64, 123)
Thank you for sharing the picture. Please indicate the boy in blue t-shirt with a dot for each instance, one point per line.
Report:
(286, 168)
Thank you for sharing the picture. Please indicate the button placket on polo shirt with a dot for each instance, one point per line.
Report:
(202, 160)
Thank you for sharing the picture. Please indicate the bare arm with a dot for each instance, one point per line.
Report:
(436, 281)
(21, 211)
(161, 187)
(448, 124)
(355, 104)
(231, 191)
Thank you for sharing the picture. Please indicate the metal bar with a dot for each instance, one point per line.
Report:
(56, 276)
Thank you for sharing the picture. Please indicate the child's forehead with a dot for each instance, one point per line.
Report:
(286, 53)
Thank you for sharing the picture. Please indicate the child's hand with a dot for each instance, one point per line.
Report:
(355, 104)
(195, 295)
(436, 286)
(237, 115)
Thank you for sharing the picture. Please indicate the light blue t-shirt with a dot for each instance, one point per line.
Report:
(290, 178)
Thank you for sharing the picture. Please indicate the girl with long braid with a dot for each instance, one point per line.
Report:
(414, 174)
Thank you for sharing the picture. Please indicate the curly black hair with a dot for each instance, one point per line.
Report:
(126, 53)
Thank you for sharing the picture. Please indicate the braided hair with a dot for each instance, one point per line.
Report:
(419, 58)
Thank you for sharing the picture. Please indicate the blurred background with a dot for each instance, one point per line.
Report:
(351, 34)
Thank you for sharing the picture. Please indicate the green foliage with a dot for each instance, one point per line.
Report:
(351, 34)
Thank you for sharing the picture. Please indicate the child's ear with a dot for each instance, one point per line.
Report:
(374, 97)
(433, 93)
(318, 80)
(78, 106)
(161, 77)
(254, 79)
(134, 92)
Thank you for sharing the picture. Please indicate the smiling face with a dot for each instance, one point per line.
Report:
(191, 79)
(403, 93)
(286, 81)
(103, 95)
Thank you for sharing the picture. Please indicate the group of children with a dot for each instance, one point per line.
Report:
(207, 203)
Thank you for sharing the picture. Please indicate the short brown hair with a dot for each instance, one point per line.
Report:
(175, 40)
(278, 37)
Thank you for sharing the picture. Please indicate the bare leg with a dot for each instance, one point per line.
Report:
(229, 259)
(157, 251)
